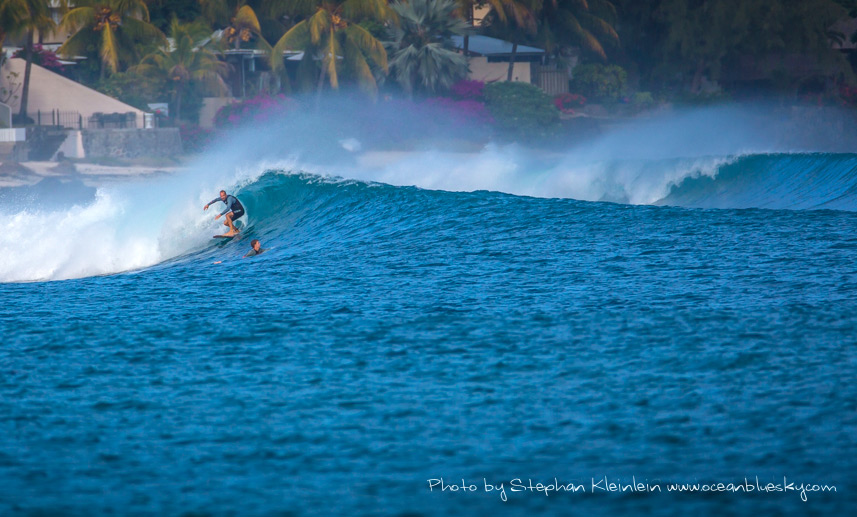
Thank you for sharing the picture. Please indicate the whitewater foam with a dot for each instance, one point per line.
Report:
(82, 241)
(125, 227)
(513, 170)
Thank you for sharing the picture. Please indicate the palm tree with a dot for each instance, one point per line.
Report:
(243, 27)
(219, 13)
(328, 34)
(12, 14)
(503, 9)
(185, 63)
(517, 28)
(587, 23)
(38, 18)
(119, 24)
(422, 54)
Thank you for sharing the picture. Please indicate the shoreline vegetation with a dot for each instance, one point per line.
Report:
(610, 62)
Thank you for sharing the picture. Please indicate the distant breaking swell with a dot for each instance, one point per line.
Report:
(300, 211)
(813, 181)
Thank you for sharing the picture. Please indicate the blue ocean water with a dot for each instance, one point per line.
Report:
(395, 335)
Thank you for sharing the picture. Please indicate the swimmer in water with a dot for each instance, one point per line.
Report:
(256, 249)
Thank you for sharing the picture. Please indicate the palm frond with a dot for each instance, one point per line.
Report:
(298, 37)
(368, 44)
(319, 23)
(583, 36)
(109, 48)
(142, 30)
(77, 18)
(355, 59)
(594, 23)
(333, 51)
(357, 9)
(277, 8)
(76, 45)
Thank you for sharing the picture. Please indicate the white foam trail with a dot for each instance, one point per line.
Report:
(127, 227)
(513, 170)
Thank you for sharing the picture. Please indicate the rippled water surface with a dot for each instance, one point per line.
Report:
(393, 335)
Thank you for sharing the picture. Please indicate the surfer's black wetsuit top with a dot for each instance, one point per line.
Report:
(232, 205)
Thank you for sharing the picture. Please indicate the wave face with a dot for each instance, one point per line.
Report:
(779, 181)
(139, 225)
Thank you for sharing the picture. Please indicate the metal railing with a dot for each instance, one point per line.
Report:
(67, 119)
(74, 120)
(112, 121)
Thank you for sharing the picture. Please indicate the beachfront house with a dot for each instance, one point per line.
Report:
(75, 120)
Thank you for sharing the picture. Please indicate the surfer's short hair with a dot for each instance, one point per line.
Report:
(253, 242)
(223, 192)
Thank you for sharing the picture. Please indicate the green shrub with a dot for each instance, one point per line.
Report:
(642, 100)
(702, 98)
(605, 83)
(521, 110)
(134, 89)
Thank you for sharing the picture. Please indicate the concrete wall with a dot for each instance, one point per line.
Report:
(210, 105)
(482, 70)
(17, 134)
(72, 147)
(131, 143)
(50, 91)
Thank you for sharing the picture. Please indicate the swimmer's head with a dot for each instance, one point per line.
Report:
(255, 244)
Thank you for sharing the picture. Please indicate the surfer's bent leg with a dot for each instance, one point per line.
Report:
(234, 216)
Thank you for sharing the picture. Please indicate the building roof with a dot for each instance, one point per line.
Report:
(75, 97)
(488, 46)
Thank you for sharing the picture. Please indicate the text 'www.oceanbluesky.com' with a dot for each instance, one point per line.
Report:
(604, 485)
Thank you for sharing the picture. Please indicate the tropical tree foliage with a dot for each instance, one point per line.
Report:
(422, 55)
(518, 29)
(502, 9)
(697, 39)
(588, 24)
(239, 21)
(12, 14)
(36, 18)
(218, 13)
(329, 34)
(185, 64)
(119, 28)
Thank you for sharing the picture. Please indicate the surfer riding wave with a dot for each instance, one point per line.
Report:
(234, 210)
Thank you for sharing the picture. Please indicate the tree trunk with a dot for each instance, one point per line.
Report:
(178, 106)
(469, 19)
(512, 61)
(25, 94)
(321, 78)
